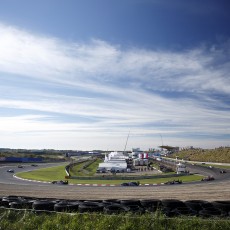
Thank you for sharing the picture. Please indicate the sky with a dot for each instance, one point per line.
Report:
(95, 74)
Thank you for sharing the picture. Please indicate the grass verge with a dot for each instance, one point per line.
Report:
(80, 169)
(188, 178)
(15, 219)
(45, 174)
(58, 173)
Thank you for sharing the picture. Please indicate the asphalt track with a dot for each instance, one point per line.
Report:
(219, 189)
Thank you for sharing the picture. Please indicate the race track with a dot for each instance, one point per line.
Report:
(218, 189)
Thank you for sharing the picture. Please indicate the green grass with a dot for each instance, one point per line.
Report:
(188, 178)
(77, 169)
(93, 167)
(45, 174)
(90, 170)
(15, 220)
(58, 173)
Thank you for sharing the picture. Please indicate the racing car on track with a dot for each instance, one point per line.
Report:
(209, 178)
(131, 183)
(64, 182)
(174, 182)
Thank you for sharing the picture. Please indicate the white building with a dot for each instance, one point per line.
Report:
(180, 168)
(115, 156)
(114, 161)
(139, 157)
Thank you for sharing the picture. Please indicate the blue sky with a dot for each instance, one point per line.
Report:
(83, 74)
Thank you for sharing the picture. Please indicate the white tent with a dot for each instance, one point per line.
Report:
(117, 166)
(115, 161)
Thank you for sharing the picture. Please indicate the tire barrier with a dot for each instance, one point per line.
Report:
(171, 204)
(110, 202)
(184, 211)
(194, 204)
(130, 202)
(173, 207)
(211, 212)
(222, 205)
(116, 209)
(168, 207)
(151, 205)
(136, 209)
(90, 207)
(16, 202)
(66, 206)
(43, 205)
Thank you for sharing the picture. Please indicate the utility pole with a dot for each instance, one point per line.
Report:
(126, 141)
(162, 144)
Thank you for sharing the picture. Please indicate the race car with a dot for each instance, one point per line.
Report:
(131, 183)
(209, 178)
(174, 182)
(10, 170)
(64, 182)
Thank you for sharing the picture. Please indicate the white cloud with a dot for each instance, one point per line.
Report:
(116, 89)
(52, 59)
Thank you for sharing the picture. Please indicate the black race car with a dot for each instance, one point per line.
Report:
(65, 182)
(174, 182)
(209, 178)
(131, 183)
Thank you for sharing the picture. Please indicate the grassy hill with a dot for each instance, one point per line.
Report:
(221, 155)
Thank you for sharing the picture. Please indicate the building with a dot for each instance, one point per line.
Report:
(180, 168)
(139, 157)
(114, 161)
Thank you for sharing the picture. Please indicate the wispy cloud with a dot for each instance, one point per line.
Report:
(101, 89)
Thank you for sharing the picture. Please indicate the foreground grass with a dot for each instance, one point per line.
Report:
(14, 220)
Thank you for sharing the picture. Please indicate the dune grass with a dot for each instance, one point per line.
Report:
(221, 155)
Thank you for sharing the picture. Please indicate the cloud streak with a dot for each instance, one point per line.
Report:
(101, 89)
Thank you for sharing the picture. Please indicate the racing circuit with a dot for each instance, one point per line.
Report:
(218, 189)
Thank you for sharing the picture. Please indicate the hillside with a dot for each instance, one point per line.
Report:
(221, 155)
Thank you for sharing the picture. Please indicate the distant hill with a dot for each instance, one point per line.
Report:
(221, 154)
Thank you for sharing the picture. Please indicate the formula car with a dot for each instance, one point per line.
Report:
(131, 183)
(64, 182)
(209, 178)
(174, 182)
